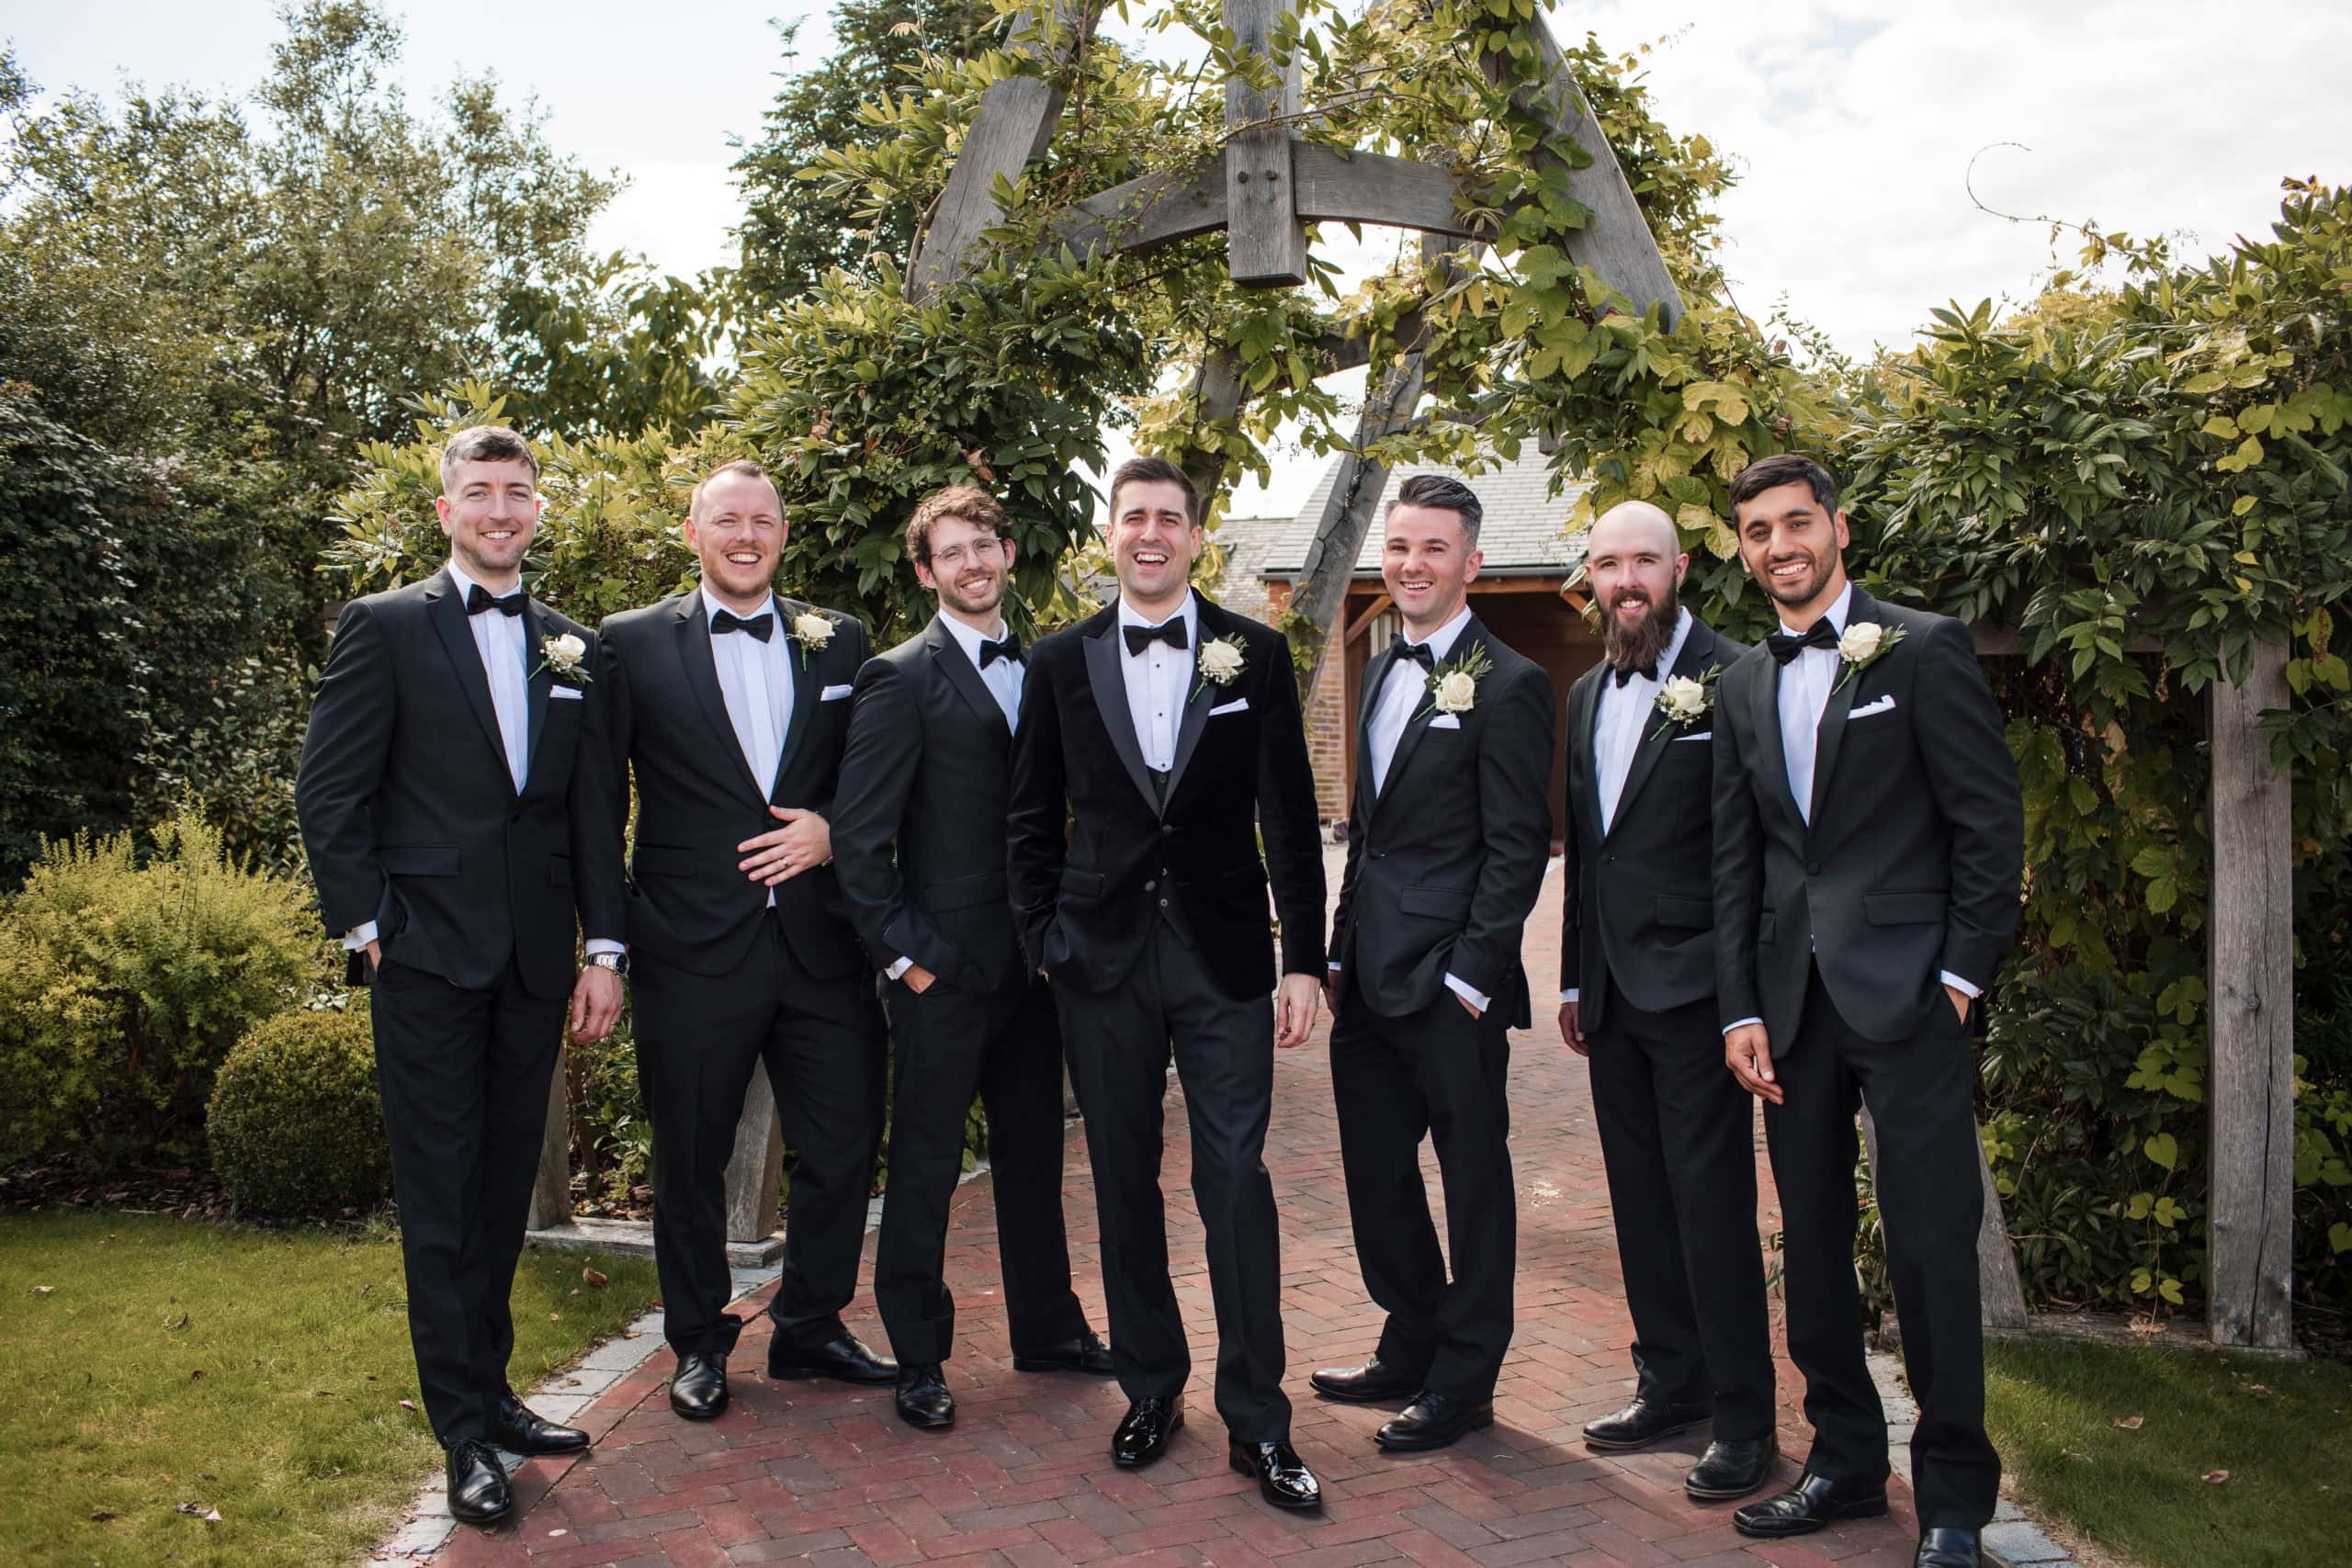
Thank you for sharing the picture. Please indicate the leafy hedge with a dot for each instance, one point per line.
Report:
(294, 1122)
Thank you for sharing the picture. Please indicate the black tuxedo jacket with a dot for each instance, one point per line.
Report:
(926, 772)
(1914, 861)
(1086, 906)
(689, 907)
(1640, 897)
(410, 814)
(1444, 863)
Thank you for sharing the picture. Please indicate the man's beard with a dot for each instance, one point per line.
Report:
(1640, 644)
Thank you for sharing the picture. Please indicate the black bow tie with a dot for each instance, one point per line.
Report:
(1009, 647)
(1169, 631)
(760, 625)
(1419, 652)
(1646, 671)
(479, 598)
(1785, 648)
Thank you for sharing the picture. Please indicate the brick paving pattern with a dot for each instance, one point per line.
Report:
(827, 1474)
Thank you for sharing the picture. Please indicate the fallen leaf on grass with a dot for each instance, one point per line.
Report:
(194, 1374)
(407, 1405)
(555, 1317)
(2131, 1423)
(199, 1511)
(174, 1325)
(2215, 1477)
(2258, 1391)
(592, 1276)
(44, 1290)
(101, 1517)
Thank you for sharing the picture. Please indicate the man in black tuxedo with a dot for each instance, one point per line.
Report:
(919, 845)
(1447, 839)
(1637, 998)
(1158, 739)
(1869, 854)
(447, 827)
(734, 705)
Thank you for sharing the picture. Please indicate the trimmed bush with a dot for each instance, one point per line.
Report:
(127, 979)
(295, 1123)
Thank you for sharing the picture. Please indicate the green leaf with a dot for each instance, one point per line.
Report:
(2163, 1149)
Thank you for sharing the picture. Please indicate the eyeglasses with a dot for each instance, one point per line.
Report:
(954, 555)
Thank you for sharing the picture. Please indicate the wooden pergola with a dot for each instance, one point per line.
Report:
(1262, 187)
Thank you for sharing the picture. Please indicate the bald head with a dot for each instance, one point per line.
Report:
(1633, 560)
(1634, 524)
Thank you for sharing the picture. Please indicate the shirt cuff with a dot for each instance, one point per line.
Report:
(1462, 988)
(1962, 987)
(358, 937)
(898, 971)
(1568, 994)
(597, 944)
(1743, 1023)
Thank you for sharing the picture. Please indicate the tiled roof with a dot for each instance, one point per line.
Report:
(1524, 533)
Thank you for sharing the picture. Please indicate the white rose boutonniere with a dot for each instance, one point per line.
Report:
(1453, 682)
(1683, 701)
(813, 631)
(1863, 644)
(565, 658)
(1222, 662)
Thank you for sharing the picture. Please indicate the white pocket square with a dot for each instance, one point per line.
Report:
(1239, 705)
(1446, 721)
(1884, 705)
(834, 694)
(1702, 735)
(572, 692)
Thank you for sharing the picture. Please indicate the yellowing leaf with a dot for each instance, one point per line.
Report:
(2163, 1148)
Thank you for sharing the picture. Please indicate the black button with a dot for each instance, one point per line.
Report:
(1812, 868)
(1163, 903)
(1151, 886)
(1166, 832)
(1610, 858)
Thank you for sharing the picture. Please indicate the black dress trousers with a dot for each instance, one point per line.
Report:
(464, 1077)
(1921, 1092)
(699, 1039)
(948, 1044)
(1677, 1138)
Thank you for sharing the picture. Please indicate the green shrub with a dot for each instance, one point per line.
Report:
(295, 1123)
(127, 981)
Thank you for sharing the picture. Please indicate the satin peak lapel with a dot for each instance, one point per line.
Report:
(1656, 734)
(1110, 688)
(965, 678)
(801, 659)
(1859, 609)
(691, 635)
(447, 613)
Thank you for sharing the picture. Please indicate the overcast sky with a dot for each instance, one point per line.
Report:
(1852, 124)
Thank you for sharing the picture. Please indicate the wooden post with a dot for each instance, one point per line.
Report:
(1264, 240)
(2250, 948)
(551, 1187)
(755, 1170)
(1221, 398)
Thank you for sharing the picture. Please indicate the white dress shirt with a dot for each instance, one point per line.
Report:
(1806, 682)
(1404, 692)
(755, 678)
(1004, 679)
(1624, 717)
(1156, 681)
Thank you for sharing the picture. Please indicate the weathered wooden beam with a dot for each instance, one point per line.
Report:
(2250, 954)
(1012, 127)
(1340, 186)
(1220, 400)
(1372, 613)
(1143, 214)
(1264, 240)
(1617, 243)
(755, 1169)
(552, 1186)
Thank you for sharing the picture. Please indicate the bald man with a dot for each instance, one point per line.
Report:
(1637, 1000)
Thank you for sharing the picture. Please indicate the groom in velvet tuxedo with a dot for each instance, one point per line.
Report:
(1868, 861)
(1159, 739)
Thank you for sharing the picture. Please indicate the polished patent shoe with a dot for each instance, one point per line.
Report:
(924, 1399)
(1433, 1421)
(845, 1359)
(1144, 1434)
(520, 1432)
(1814, 1502)
(1283, 1479)
(478, 1494)
(1374, 1383)
(1945, 1547)
(1730, 1469)
(698, 1392)
(1642, 1422)
(1087, 1353)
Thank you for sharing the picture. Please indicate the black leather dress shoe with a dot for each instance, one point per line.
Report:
(699, 1390)
(845, 1359)
(1642, 1422)
(1283, 1479)
(1144, 1434)
(1814, 1502)
(1730, 1469)
(1087, 1353)
(1945, 1547)
(478, 1491)
(1374, 1383)
(924, 1399)
(520, 1432)
(1433, 1421)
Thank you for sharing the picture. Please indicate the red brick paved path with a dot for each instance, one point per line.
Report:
(827, 1474)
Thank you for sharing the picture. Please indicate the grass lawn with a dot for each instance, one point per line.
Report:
(258, 1372)
(2278, 1428)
